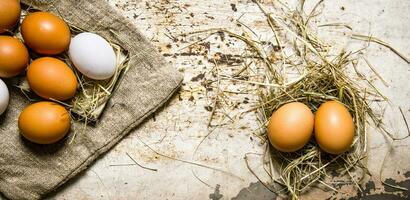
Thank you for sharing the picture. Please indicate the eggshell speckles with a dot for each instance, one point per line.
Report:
(44, 122)
(291, 127)
(334, 127)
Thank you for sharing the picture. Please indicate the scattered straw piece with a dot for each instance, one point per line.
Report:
(381, 42)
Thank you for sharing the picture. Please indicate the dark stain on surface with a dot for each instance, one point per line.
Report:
(389, 191)
(210, 17)
(198, 77)
(402, 184)
(228, 59)
(216, 195)
(255, 191)
(407, 174)
(367, 189)
(233, 7)
(382, 196)
(208, 108)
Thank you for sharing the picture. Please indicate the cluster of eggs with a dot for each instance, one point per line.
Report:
(292, 125)
(48, 36)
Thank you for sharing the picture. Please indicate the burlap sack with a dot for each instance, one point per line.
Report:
(29, 171)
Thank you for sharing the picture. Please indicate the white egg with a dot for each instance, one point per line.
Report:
(93, 56)
(4, 97)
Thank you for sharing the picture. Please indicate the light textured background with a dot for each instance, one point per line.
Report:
(177, 129)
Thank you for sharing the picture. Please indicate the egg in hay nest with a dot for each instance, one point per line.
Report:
(51, 78)
(290, 127)
(334, 127)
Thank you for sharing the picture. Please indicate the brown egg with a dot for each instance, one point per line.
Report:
(13, 56)
(9, 14)
(51, 78)
(45, 33)
(290, 127)
(334, 127)
(44, 122)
